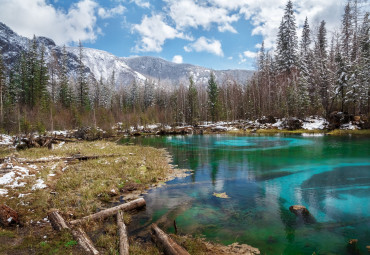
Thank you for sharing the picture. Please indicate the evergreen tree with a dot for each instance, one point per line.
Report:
(2, 88)
(42, 79)
(65, 97)
(148, 94)
(213, 101)
(192, 104)
(82, 86)
(287, 42)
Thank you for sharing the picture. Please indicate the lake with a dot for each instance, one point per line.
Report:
(263, 176)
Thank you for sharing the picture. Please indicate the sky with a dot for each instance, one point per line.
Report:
(218, 34)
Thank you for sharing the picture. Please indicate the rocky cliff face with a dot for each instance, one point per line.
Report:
(101, 64)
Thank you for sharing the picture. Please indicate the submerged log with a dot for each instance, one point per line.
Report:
(302, 212)
(111, 211)
(84, 241)
(170, 246)
(123, 238)
(57, 221)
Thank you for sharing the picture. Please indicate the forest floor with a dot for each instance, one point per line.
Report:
(35, 181)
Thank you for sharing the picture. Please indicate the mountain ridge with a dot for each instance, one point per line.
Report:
(101, 64)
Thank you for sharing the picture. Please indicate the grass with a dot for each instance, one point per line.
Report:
(77, 190)
(365, 132)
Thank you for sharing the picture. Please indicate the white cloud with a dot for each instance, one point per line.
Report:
(38, 17)
(154, 32)
(208, 45)
(250, 54)
(141, 3)
(195, 14)
(177, 59)
(109, 13)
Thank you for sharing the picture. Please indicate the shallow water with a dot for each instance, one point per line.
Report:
(263, 176)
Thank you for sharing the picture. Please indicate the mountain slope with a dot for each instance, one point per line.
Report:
(101, 64)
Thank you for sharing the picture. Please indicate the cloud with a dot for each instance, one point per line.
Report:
(208, 45)
(141, 3)
(250, 54)
(154, 32)
(195, 14)
(243, 57)
(177, 59)
(38, 17)
(109, 13)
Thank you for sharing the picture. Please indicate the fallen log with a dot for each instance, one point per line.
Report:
(123, 238)
(57, 221)
(111, 211)
(68, 159)
(59, 224)
(170, 246)
(84, 241)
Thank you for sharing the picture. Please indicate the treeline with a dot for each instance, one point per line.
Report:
(311, 75)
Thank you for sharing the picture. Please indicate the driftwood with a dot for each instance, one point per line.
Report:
(84, 241)
(123, 238)
(69, 159)
(59, 224)
(57, 221)
(111, 211)
(170, 246)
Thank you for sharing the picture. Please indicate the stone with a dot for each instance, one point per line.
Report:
(299, 210)
(8, 216)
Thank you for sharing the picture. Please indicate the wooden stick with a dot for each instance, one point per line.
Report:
(84, 241)
(123, 238)
(111, 211)
(169, 245)
(57, 221)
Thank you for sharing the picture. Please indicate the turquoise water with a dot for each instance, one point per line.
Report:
(263, 176)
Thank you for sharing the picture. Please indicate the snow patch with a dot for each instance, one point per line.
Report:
(40, 184)
(3, 192)
(314, 123)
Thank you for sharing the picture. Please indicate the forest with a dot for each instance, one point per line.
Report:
(316, 73)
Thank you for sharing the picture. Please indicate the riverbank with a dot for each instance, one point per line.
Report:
(78, 179)
(34, 181)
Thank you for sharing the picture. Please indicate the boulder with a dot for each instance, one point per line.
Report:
(8, 216)
(302, 213)
(292, 124)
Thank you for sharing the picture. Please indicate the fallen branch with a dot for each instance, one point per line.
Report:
(170, 246)
(57, 221)
(68, 159)
(123, 238)
(111, 211)
(84, 241)
(59, 224)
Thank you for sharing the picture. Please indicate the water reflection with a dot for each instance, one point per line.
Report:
(263, 176)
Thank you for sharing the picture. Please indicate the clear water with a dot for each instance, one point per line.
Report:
(263, 176)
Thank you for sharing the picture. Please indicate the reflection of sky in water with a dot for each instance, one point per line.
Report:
(264, 176)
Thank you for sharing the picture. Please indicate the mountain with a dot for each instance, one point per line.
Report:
(101, 64)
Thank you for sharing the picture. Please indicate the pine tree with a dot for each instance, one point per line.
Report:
(148, 94)
(213, 100)
(364, 64)
(192, 109)
(2, 88)
(82, 86)
(42, 79)
(287, 42)
(64, 95)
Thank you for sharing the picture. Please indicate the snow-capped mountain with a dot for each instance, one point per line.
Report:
(101, 64)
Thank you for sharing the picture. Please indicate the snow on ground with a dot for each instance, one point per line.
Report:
(40, 184)
(3, 192)
(6, 140)
(314, 123)
(349, 126)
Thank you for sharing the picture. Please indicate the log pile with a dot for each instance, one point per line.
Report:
(169, 246)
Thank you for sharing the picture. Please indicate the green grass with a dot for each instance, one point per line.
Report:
(365, 132)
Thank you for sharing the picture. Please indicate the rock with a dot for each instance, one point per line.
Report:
(292, 124)
(8, 216)
(352, 247)
(356, 118)
(299, 210)
(113, 193)
(303, 213)
(267, 120)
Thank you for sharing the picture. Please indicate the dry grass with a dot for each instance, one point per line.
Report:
(77, 190)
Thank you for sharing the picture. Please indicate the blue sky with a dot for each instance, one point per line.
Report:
(219, 34)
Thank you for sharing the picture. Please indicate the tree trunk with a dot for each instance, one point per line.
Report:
(84, 241)
(57, 221)
(111, 211)
(169, 245)
(123, 238)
